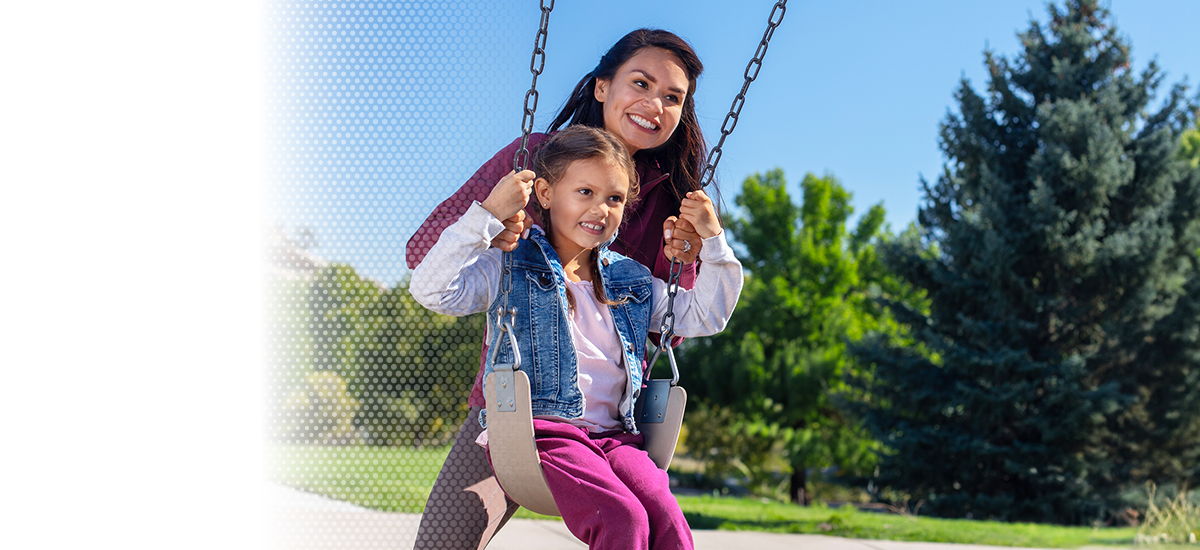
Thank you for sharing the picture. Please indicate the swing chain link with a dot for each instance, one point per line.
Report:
(501, 325)
(735, 110)
(536, 65)
(667, 330)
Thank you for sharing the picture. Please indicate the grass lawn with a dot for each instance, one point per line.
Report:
(399, 480)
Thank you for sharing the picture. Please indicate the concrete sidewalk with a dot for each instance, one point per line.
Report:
(311, 522)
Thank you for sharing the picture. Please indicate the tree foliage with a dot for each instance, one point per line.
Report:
(780, 363)
(285, 345)
(1064, 356)
(405, 369)
(337, 298)
(320, 411)
(413, 369)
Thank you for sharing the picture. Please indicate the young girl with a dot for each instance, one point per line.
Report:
(583, 314)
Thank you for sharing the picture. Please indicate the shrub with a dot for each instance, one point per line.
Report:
(321, 412)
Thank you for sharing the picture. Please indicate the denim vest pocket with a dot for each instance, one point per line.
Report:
(543, 293)
(637, 293)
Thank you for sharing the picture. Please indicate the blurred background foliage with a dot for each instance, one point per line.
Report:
(393, 372)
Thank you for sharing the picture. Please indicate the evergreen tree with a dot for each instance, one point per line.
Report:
(1062, 336)
(775, 372)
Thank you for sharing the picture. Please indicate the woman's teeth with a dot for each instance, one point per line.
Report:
(643, 122)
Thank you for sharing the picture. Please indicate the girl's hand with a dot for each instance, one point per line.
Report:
(681, 240)
(514, 228)
(510, 195)
(698, 209)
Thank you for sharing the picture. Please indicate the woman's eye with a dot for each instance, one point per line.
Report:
(673, 98)
(640, 83)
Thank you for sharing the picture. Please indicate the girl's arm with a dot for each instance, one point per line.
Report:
(460, 275)
(474, 190)
(705, 309)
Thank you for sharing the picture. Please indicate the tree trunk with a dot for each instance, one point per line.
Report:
(798, 492)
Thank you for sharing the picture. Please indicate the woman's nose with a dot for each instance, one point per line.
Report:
(654, 104)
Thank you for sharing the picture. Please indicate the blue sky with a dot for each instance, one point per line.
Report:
(856, 90)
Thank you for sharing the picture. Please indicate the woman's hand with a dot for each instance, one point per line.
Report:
(507, 202)
(698, 209)
(681, 240)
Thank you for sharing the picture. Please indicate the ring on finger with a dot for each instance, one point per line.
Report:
(687, 245)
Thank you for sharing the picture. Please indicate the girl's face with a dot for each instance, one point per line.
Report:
(586, 204)
(643, 101)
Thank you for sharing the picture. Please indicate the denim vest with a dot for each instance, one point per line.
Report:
(538, 291)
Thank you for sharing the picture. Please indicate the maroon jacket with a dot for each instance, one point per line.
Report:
(639, 237)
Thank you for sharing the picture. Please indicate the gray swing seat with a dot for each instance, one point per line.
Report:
(511, 445)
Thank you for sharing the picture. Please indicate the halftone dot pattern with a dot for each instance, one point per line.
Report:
(377, 111)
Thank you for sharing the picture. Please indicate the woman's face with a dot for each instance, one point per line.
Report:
(643, 101)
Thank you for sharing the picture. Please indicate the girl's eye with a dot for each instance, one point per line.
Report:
(640, 83)
(673, 98)
(617, 198)
(587, 192)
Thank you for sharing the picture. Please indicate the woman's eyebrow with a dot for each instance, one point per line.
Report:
(655, 80)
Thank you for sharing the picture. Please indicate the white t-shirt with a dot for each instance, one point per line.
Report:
(598, 357)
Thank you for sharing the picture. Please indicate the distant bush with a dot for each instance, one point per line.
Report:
(1176, 521)
(412, 369)
(320, 412)
(285, 345)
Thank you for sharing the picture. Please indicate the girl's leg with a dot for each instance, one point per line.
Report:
(668, 528)
(595, 505)
(455, 516)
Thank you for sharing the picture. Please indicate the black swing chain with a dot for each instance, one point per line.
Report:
(714, 156)
(667, 331)
(521, 159)
(536, 65)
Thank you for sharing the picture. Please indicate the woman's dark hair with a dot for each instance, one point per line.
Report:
(683, 155)
(552, 159)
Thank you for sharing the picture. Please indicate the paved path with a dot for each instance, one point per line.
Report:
(305, 521)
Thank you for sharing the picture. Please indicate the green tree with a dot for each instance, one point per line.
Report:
(1189, 146)
(1063, 360)
(285, 345)
(337, 296)
(412, 369)
(780, 363)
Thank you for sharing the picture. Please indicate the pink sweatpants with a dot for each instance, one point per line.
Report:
(610, 494)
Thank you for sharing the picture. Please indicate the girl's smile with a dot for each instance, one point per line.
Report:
(586, 205)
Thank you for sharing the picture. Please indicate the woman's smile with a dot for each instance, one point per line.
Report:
(643, 101)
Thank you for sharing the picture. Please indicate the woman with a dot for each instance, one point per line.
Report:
(641, 91)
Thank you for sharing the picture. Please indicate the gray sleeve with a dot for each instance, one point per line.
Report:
(460, 275)
(705, 309)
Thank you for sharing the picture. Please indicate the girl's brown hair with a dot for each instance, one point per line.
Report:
(580, 142)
